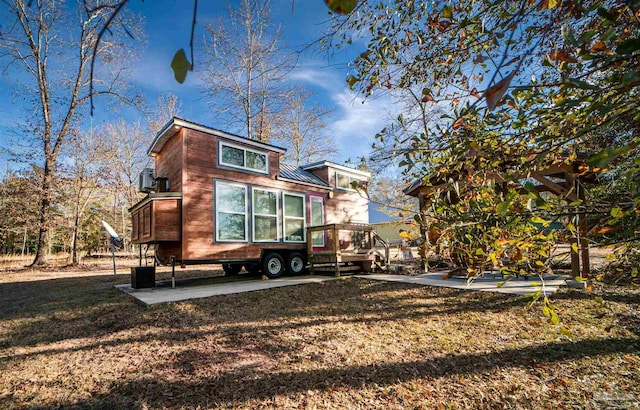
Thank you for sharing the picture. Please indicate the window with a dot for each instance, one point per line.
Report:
(231, 212)
(265, 215)
(293, 217)
(316, 209)
(243, 158)
(344, 181)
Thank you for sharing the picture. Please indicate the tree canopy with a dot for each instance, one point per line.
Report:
(519, 86)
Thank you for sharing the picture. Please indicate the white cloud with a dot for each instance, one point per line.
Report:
(355, 120)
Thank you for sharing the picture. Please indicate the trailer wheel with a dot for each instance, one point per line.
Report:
(273, 265)
(296, 263)
(231, 269)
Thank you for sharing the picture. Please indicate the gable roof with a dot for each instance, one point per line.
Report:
(175, 124)
(292, 173)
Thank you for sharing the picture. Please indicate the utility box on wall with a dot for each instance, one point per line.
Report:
(143, 277)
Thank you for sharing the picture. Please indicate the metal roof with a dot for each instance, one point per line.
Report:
(300, 175)
(175, 124)
(322, 164)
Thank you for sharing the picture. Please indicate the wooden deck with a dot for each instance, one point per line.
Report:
(341, 248)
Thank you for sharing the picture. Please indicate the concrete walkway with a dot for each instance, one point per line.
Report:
(167, 294)
(515, 286)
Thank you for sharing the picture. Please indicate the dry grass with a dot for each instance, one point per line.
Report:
(69, 340)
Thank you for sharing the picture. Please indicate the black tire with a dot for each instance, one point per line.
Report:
(296, 263)
(231, 269)
(252, 268)
(273, 266)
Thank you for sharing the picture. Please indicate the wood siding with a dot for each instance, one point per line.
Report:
(157, 220)
(169, 162)
(200, 171)
(347, 207)
(190, 160)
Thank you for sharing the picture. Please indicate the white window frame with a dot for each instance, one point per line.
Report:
(303, 218)
(222, 144)
(351, 179)
(321, 234)
(279, 226)
(245, 213)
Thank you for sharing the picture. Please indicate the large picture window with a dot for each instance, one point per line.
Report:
(231, 212)
(265, 215)
(243, 158)
(294, 215)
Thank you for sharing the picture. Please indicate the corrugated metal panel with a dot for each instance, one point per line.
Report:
(299, 174)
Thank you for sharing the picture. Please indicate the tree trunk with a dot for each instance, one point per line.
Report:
(24, 241)
(74, 238)
(42, 256)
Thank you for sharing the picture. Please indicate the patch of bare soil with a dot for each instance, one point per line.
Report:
(72, 341)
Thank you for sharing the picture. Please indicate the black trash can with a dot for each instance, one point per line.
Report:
(143, 277)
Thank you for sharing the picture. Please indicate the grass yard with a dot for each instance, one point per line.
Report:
(68, 339)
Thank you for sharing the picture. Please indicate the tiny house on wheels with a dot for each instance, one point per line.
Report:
(216, 197)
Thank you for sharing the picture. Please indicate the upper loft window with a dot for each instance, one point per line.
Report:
(344, 181)
(243, 158)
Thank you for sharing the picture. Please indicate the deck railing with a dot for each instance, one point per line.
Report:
(339, 248)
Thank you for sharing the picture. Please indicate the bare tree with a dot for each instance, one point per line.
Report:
(86, 164)
(245, 67)
(301, 129)
(48, 45)
(167, 106)
(127, 143)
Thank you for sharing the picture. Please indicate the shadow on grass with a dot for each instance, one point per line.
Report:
(91, 308)
(237, 387)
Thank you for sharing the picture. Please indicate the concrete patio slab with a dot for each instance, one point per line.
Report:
(166, 294)
(515, 286)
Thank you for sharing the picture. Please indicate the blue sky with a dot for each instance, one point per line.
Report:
(353, 122)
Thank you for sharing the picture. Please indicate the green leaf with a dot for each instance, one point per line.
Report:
(341, 6)
(554, 317)
(586, 36)
(503, 207)
(180, 65)
(538, 220)
(574, 248)
(447, 12)
(617, 212)
(599, 300)
(604, 157)
(574, 83)
(628, 46)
